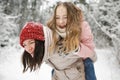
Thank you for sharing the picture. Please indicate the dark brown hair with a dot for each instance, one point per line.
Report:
(34, 62)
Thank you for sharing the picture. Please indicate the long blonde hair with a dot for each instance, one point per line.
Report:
(74, 19)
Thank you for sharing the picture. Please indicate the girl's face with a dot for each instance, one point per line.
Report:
(29, 46)
(61, 16)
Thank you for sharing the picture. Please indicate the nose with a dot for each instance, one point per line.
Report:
(29, 49)
(61, 21)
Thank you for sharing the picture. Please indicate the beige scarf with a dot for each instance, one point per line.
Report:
(61, 32)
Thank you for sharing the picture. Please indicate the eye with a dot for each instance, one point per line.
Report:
(65, 17)
(32, 42)
(57, 18)
(24, 45)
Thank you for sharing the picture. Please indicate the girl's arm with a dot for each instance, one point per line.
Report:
(86, 44)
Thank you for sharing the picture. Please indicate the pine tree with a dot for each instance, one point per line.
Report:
(107, 18)
(8, 29)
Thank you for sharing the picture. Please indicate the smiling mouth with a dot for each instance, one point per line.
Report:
(62, 27)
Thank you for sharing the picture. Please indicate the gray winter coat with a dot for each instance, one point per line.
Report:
(67, 67)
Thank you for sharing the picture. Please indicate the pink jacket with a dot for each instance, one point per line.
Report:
(87, 45)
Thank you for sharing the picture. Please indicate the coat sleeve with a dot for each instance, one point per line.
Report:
(48, 41)
(86, 44)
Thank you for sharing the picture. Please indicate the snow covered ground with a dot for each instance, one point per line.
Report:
(11, 68)
(106, 66)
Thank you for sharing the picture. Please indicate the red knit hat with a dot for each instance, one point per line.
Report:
(31, 30)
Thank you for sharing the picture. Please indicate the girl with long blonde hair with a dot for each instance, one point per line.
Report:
(72, 37)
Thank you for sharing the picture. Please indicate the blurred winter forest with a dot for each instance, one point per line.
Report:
(102, 15)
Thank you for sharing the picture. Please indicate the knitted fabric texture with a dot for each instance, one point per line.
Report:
(31, 30)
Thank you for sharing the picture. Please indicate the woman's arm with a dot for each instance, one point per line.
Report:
(87, 45)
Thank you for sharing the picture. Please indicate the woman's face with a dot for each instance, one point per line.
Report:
(61, 16)
(29, 46)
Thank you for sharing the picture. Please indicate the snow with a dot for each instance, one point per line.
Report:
(106, 66)
(11, 68)
(102, 69)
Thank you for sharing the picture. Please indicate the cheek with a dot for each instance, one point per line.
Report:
(30, 49)
(26, 49)
(57, 22)
(66, 21)
(33, 47)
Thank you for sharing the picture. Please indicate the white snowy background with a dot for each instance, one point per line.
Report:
(104, 19)
(106, 67)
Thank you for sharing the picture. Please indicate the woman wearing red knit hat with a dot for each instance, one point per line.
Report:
(35, 39)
